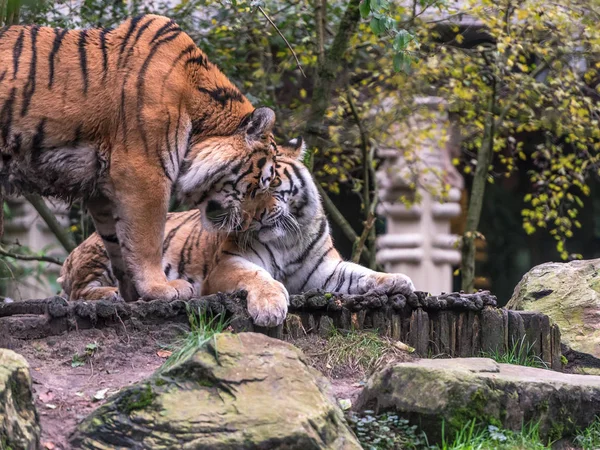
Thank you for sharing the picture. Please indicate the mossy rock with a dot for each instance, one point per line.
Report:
(244, 391)
(19, 421)
(569, 293)
(455, 391)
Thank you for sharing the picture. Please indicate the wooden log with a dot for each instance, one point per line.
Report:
(492, 330)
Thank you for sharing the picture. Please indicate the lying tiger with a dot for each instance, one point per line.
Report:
(287, 249)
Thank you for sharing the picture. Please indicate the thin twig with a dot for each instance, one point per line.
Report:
(48, 259)
(262, 11)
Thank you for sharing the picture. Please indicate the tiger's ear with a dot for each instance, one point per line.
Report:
(259, 125)
(296, 149)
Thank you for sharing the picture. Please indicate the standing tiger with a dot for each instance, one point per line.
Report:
(286, 249)
(119, 117)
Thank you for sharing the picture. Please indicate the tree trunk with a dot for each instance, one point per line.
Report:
(484, 159)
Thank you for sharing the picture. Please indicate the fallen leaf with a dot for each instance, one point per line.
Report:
(164, 353)
(404, 347)
(50, 406)
(49, 446)
(100, 395)
(79, 394)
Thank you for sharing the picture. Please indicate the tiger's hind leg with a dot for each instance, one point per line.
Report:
(141, 193)
(101, 210)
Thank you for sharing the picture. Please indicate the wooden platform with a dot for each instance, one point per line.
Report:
(447, 325)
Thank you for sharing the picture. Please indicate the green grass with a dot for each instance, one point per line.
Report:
(519, 353)
(473, 437)
(589, 439)
(353, 352)
(203, 328)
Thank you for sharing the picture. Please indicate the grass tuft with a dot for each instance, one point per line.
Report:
(473, 437)
(519, 353)
(589, 439)
(203, 328)
(350, 353)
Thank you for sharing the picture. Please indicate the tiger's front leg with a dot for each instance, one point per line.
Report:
(267, 298)
(350, 278)
(141, 196)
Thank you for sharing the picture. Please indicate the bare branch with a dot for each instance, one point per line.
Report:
(284, 39)
(48, 259)
(63, 237)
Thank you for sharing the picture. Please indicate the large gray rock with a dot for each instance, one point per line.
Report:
(19, 421)
(454, 391)
(244, 391)
(570, 294)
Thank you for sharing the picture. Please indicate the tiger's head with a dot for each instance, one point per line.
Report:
(292, 203)
(222, 175)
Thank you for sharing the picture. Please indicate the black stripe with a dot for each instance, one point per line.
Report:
(341, 278)
(310, 246)
(198, 60)
(167, 270)
(58, 38)
(182, 261)
(112, 238)
(164, 29)
(136, 39)
(225, 252)
(83, 59)
(350, 282)
(273, 260)
(132, 25)
(262, 261)
(140, 90)
(6, 114)
(38, 138)
(189, 49)
(17, 49)
(29, 89)
(321, 259)
(104, 51)
(331, 275)
(223, 95)
(3, 75)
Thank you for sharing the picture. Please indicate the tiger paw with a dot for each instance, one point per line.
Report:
(268, 304)
(387, 283)
(172, 290)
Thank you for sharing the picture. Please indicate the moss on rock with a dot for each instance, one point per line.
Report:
(19, 421)
(244, 391)
(455, 391)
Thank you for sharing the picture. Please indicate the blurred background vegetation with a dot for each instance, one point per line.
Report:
(519, 79)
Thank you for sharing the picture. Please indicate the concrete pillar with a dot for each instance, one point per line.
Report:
(417, 168)
(26, 228)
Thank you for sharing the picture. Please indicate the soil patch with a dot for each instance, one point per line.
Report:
(69, 371)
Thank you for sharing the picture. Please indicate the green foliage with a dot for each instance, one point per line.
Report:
(80, 359)
(203, 328)
(519, 353)
(589, 439)
(385, 431)
(474, 437)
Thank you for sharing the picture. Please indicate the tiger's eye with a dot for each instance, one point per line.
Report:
(276, 182)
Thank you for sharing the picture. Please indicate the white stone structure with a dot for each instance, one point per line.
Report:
(417, 165)
(27, 228)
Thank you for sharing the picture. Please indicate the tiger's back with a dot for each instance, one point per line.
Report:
(67, 97)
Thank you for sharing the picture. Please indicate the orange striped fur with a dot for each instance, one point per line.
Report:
(121, 117)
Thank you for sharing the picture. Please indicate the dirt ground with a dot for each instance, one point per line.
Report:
(66, 376)
(69, 371)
